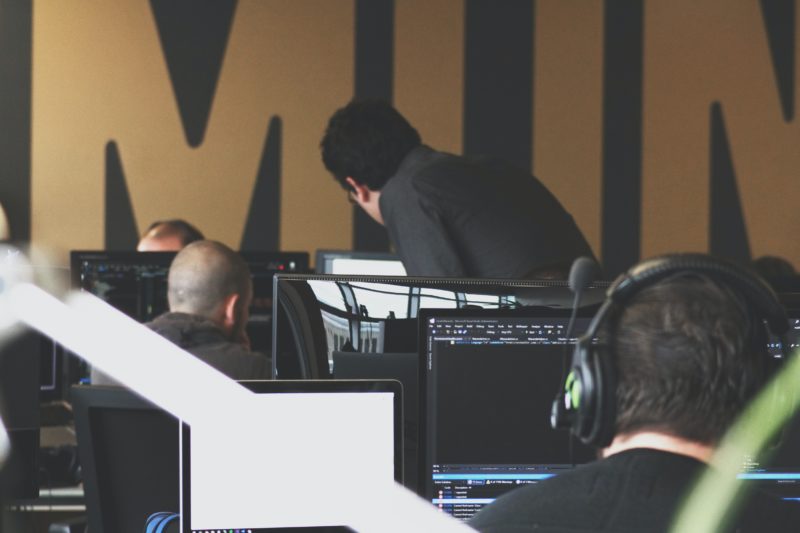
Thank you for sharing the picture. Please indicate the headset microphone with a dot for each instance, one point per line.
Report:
(581, 275)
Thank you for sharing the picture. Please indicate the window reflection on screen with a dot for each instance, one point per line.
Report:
(437, 298)
(328, 293)
(382, 300)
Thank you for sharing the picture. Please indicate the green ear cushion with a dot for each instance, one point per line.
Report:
(573, 388)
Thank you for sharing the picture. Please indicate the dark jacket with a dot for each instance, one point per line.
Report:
(203, 339)
(457, 216)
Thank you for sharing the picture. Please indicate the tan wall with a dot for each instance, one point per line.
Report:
(99, 75)
(687, 68)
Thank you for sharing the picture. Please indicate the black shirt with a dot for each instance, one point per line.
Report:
(637, 490)
(475, 217)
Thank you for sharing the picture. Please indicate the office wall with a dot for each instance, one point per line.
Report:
(664, 125)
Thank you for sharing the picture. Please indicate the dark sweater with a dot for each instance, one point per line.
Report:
(634, 491)
(203, 339)
(456, 216)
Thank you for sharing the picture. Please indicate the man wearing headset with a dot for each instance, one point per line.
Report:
(687, 353)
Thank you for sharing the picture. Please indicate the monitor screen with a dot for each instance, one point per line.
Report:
(255, 478)
(136, 282)
(350, 262)
(779, 472)
(489, 378)
(133, 282)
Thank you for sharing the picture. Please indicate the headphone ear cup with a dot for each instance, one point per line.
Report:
(604, 416)
(593, 392)
(583, 390)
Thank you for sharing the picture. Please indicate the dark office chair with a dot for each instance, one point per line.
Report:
(128, 450)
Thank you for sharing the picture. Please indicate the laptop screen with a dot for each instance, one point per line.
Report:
(252, 472)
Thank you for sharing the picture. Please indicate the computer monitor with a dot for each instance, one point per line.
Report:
(253, 474)
(488, 379)
(351, 262)
(136, 284)
(778, 473)
(19, 408)
(128, 451)
(317, 315)
(492, 375)
(133, 282)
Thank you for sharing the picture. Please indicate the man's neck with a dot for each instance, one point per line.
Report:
(659, 441)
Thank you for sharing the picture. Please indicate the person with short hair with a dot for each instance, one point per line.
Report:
(448, 215)
(168, 236)
(209, 292)
(688, 353)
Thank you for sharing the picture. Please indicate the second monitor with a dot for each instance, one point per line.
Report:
(350, 262)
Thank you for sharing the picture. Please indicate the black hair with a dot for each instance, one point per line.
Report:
(186, 232)
(770, 266)
(367, 140)
(690, 355)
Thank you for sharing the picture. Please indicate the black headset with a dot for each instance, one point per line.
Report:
(587, 402)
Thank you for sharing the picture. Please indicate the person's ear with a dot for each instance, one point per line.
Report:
(360, 191)
(230, 312)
